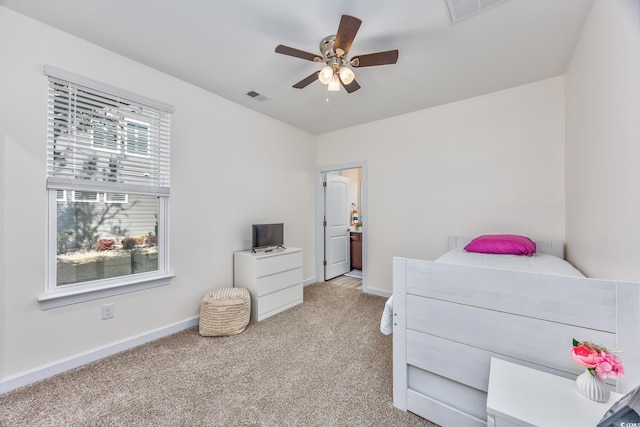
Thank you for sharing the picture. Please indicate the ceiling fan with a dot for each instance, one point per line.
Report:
(334, 51)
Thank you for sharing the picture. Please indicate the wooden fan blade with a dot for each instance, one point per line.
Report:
(297, 53)
(351, 87)
(378, 58)
(347, 31)
(307, 81)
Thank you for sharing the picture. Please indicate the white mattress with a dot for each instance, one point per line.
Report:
(538, 263)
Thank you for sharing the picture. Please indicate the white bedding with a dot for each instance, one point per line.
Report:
(538, 263)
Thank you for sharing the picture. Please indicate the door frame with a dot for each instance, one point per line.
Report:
(319, 215)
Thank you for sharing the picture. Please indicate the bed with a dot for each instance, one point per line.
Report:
(450, 319)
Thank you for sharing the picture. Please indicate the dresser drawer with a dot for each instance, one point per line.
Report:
(283, 298)
(277, 263)
(275, 282)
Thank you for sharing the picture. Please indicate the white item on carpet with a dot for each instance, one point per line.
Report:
(386, 323)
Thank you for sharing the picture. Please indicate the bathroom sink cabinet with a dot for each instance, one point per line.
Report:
(356, 250)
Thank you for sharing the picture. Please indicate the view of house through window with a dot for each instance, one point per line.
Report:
(103, 235)
(108, 182)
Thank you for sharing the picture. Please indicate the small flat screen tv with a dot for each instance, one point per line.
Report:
(267, 235)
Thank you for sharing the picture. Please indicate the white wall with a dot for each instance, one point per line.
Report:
(230, 167)
(491, 164)
(603, 143)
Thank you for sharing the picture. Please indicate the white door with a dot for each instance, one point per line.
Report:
(336, 231)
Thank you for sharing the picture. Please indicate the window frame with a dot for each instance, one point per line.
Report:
(57, 296)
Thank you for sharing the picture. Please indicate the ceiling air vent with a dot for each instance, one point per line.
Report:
(256, 95)
(461, 9)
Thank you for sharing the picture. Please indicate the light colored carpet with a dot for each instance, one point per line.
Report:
(321, 363)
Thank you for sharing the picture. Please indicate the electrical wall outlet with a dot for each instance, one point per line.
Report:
(107, 311)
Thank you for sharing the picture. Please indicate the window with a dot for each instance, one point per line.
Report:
(116, 198)
(108, 184)
(85, 196)
(104, 130)
(137, 138)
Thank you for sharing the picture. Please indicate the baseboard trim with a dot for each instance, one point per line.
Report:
(40, 373)
(377, 292)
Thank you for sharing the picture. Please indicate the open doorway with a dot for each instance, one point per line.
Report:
(341, 237)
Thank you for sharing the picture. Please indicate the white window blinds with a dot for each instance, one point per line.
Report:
(103, 138)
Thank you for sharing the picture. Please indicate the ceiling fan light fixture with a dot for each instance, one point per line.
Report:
(334, 51)
(334, 84)
(346, 75)
(325, 75)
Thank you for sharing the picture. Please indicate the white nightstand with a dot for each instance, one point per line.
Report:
(521, 396)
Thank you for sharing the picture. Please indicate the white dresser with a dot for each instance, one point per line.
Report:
(274, 279)
(521, 396)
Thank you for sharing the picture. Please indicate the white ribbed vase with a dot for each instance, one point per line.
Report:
(592, 387)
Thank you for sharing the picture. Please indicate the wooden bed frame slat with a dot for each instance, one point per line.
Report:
(564, 299)
(498, 333)
(470, 363)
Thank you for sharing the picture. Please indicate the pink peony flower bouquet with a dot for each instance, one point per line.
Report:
(596, 359)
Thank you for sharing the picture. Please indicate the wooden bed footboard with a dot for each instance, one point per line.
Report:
(449, 320)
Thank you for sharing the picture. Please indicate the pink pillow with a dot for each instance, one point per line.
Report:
(502, 244)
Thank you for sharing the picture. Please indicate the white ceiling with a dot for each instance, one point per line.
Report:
(227, 47)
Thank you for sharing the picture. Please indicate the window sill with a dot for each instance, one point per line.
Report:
(75, 295)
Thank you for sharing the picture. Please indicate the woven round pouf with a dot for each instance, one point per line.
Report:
(225, 311)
